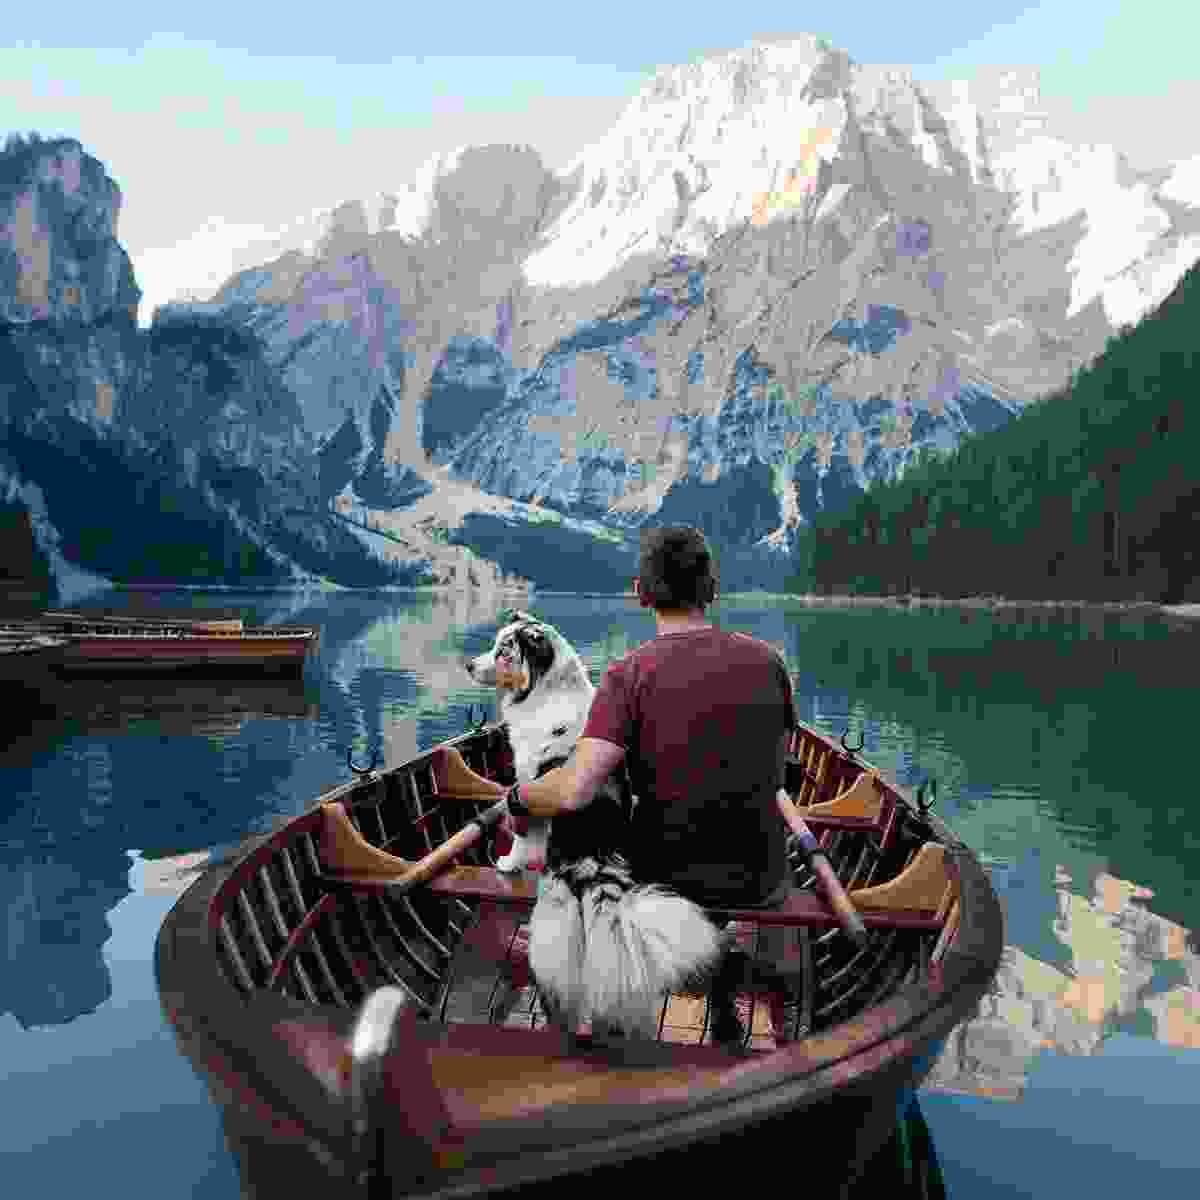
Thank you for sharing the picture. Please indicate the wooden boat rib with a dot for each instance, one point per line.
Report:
(352, 1031)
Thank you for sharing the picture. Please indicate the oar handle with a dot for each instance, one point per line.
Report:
(847, 915)
(451, 848)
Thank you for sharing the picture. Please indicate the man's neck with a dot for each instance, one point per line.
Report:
(680, 622)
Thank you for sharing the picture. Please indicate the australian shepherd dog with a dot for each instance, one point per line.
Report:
(602, 948)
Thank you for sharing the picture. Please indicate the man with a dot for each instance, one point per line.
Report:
(704, 718)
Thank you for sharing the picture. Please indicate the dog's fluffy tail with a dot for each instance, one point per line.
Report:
(609, 950)
(557, 952)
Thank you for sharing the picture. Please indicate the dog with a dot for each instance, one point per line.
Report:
(544, 695)
(601, 946)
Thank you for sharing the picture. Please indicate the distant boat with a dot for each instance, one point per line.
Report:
(115, 643)
(346, 1014)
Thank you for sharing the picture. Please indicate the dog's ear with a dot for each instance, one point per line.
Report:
(536, 648)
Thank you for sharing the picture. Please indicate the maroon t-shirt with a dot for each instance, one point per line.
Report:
(701, 716)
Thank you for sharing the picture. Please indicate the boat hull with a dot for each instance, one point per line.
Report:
(150, 654)
(838, 1092)
(287, 1142)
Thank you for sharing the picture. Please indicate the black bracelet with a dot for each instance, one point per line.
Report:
(516, 807)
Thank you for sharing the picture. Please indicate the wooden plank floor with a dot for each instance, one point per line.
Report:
(476, 987)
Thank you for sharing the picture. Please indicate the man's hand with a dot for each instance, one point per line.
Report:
(574, 786)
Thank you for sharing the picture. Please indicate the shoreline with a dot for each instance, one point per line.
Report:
(817, 600)
(804, 599)
(995, 603)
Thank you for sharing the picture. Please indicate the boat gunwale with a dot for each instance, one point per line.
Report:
(173, 634)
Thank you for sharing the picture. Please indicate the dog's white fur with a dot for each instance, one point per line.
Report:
(601, 947)
(543, 726)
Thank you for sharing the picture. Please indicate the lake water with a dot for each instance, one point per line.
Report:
(1059, 743)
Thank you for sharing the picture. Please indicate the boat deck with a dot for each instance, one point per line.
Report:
(490, 987)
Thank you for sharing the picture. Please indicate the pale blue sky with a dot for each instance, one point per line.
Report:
(257, 112)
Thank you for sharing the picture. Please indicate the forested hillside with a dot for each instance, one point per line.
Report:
(1092, 493)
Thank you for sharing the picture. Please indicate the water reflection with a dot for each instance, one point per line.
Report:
(1061, 785)
(203, 707)
(56, 922)
(178, 767)
(1114, 983)
(1054, 739)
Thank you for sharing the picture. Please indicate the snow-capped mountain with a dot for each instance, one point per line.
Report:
(905, 262)
(778, 275)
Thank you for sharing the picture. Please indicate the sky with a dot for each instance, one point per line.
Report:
(257, 113)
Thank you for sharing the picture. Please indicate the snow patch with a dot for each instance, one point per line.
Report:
(1184, 184)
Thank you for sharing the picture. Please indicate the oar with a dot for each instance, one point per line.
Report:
(835, 894)
(449, 850)
(345, 850)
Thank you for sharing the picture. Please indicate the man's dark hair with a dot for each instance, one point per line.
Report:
(676, 569)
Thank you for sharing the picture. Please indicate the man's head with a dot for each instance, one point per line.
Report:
(676, 572)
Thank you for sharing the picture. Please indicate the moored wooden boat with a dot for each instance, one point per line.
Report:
(193, 621)
(274, 648)
(373, 1040)
(108, 644)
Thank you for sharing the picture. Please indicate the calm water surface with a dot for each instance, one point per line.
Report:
(1059, 743)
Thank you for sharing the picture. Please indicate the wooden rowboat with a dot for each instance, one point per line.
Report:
(369, 1039)
(111, 645)
(194, 622)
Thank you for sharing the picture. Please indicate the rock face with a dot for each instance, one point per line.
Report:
(177, 452)
(778, 275)
(59, 255)
(360, 317)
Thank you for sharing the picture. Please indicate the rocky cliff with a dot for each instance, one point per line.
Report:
(174, 453)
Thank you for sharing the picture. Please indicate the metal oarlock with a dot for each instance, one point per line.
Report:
(854, 749)
(923, 805)
(361, 770)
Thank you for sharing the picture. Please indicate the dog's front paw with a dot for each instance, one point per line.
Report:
(515, 859)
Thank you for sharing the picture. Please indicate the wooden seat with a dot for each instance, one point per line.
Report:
(454, 780)
(918, 898)
(922, 898)
(863, 804)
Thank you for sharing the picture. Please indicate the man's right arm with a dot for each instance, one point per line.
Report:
(609, 717)
(789, 720)
(785, 744)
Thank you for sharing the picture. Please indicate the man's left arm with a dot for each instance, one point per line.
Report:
(574, 786)
(597, 753)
